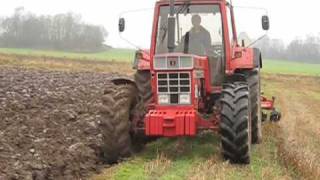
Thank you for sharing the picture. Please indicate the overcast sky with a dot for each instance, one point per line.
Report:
(289, 19)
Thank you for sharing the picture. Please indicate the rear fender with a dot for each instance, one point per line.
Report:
(245, 58)
(141, 60)
(236, 77)
(123, 80)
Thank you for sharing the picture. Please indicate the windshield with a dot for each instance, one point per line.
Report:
(198, 30)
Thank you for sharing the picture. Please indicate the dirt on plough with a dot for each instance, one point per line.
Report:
(49, 124)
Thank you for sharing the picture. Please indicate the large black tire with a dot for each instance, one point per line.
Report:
(253, 79)
(143, 83)
(235, 125)
(117, 103)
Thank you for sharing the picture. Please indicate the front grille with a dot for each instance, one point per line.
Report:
(174, 84)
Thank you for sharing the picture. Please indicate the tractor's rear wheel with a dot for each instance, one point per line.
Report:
(235, 125)
(253, 80)
(117, 103)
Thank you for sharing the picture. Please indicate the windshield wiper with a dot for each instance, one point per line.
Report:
(183, 8)
(164, 28)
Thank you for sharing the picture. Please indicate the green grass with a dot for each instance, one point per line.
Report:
(293, 68)
(176, 162)
(112, 54)
(127, 55)
(198, 158)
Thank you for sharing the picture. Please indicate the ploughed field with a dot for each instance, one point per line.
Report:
(50, 128)
(50, 124)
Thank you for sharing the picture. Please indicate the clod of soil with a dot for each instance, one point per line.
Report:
(49, 124)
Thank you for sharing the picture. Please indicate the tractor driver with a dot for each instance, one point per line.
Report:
(197, 40)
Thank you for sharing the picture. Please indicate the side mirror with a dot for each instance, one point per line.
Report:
(122, 24)
(265, 23)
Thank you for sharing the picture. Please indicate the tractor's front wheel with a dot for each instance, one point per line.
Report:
(253, 80)
(235, 125)
(117, 103)
(142, 79)
(143, 82)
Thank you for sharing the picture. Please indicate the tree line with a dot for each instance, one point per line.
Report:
(60, 32)
(305, 49)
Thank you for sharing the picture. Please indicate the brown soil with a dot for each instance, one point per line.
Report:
(49, 124)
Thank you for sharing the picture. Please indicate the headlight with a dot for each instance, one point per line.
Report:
(184, 99)
(164, 99)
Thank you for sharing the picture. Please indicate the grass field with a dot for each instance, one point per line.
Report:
(290, 149)
(298, 98)
(199, 159)
(112, 54)
(293, 68)
(126, 55)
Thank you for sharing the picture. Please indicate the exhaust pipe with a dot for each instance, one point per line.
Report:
(171, 28)
(171, 8)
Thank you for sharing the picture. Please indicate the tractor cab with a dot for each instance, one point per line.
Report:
(192, 29)
(196, 30)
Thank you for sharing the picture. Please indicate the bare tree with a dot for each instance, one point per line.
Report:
(62, 31)
(300, 50)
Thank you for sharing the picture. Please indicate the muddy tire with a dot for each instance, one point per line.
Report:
(143, 83)
(116, 108)
(235, 125)
(253, 80)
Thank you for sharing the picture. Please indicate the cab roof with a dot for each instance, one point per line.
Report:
(189, 0)
(164, 2)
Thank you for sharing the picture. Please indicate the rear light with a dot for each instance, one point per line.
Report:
(238, 54)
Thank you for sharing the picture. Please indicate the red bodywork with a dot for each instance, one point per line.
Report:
(171, 121)
(182, 120)
(142, 60)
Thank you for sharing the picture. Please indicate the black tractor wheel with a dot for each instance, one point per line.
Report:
(235, 125)
(116, 108)
(253, 80)
(275, 116)
(143, 82)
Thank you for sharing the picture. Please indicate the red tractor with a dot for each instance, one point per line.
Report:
(195, 77)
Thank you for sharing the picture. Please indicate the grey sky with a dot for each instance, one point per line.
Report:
(289, 19)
